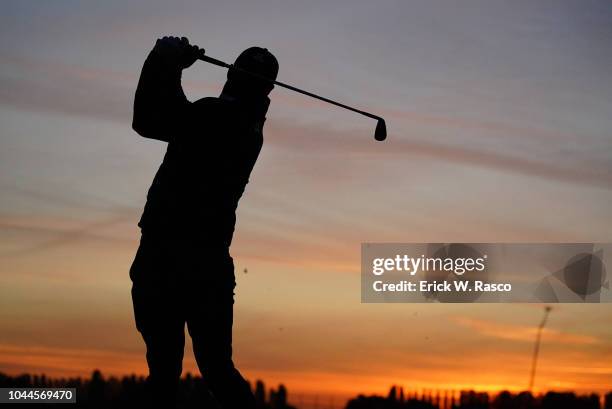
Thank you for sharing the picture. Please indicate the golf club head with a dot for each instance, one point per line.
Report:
(380, 134)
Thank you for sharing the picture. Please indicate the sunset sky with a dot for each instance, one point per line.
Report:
(499, 120)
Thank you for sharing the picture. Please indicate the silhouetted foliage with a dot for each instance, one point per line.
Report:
(399, 399)
(608, 400)
(129, 391)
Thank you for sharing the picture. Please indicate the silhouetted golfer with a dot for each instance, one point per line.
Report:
(183, 271)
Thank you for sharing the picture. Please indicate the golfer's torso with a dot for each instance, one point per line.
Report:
(204, 173)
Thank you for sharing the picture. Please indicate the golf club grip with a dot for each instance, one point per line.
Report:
(213, 61)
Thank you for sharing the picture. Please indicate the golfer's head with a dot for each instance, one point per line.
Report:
(256, 60)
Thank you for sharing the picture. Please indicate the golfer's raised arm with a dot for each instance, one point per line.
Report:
(160, 103)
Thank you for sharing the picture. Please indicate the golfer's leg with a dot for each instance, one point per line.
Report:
(165, 346)
(210, 326)
(161, 324)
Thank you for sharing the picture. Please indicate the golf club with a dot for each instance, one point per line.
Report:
(380, 134)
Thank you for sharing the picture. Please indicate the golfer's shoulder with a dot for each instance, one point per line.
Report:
(207, 103)
(211, 106)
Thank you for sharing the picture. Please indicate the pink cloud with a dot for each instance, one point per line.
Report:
(522, 333)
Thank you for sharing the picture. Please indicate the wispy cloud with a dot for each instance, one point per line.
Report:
(70, 361)
(107, 95)
(522, 333)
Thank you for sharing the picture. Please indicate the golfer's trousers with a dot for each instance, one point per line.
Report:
(186, 282)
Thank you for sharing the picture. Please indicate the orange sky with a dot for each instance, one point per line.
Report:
(298, 321)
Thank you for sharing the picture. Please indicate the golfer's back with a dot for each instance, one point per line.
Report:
(205, 170)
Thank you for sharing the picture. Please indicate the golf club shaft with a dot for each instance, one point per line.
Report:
(280, 84)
